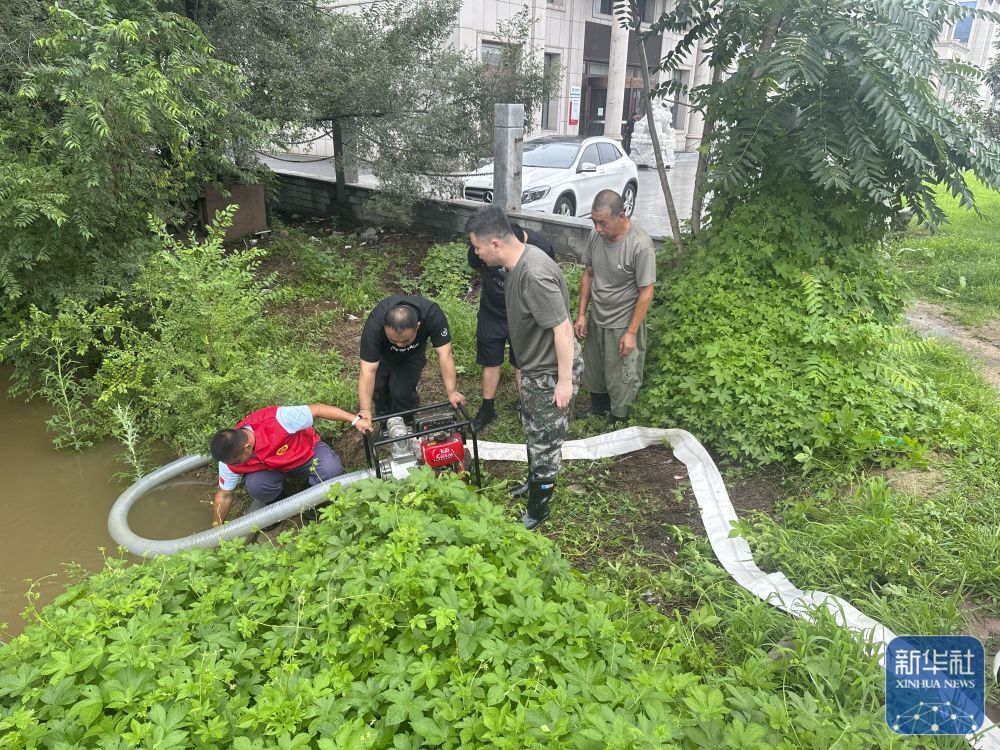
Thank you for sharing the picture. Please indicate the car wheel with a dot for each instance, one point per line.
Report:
(628, 198)
(564, 206)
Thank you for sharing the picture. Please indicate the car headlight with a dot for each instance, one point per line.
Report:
(535, 194)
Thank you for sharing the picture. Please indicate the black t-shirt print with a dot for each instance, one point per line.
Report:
(375, 345)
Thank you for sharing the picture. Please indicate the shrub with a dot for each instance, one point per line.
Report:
(413, 615)
(332, 267)
(776, 338)
(446, 271)
(447, 279)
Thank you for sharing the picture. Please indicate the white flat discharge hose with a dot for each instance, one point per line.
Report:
(718, 515)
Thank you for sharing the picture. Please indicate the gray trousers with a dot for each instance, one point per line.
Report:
(265, 486)
(606, 371)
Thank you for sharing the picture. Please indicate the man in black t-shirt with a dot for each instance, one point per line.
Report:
(393, 346)
(492, 334)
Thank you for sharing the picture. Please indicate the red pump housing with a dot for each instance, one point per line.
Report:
(443, 451)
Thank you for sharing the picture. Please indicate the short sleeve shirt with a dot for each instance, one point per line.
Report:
(491, 299)
(537, 301)
(375, 345)
(292, 418)
(620, 269)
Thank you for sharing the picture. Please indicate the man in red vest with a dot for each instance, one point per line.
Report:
(270, 445)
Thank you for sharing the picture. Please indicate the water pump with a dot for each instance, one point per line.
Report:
(437, 436)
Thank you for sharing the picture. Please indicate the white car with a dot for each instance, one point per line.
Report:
(562, 174)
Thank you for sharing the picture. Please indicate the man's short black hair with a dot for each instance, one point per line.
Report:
(226, 445)
(489, 222)
(402, 318)
(608, 200)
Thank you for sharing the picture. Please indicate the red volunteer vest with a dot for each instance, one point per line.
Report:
(276, 449)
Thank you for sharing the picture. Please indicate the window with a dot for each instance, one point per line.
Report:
(591, 155)
(607, 8)
(963, 29)
(491, 52)
(597, 68)
(550, 98)
(678, 112)
(553, 155)
(608, 153)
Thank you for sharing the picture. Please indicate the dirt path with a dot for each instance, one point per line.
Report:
(983, 344)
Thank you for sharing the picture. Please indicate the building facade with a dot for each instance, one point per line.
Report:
(972, 40)
(599, 88)
(601, 81)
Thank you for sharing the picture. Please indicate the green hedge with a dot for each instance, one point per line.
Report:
(778, 337)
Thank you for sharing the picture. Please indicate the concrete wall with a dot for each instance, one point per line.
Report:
(312, 196)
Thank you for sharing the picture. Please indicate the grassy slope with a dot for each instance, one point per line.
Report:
(968, 247)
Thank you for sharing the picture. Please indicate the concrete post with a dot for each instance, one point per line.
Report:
(617, 64)
(345, 150)
(508, 147)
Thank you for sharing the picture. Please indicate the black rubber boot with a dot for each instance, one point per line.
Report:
(600, 406)
(615, 421)
(486, 414)
(521, 490)
(539, 493)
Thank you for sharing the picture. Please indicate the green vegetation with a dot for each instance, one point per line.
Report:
(868, 113)
(420, 611)
(416, 614)
(112, 112)
(958, 264)
(777, 339)
(188, 348)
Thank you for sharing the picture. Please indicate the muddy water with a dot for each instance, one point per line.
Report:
(55, 507)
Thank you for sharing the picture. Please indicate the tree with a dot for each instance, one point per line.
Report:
(386, 72)
(120, 112)
(846, 97)
(629, 17)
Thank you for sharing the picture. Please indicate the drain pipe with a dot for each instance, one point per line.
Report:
(289, 507)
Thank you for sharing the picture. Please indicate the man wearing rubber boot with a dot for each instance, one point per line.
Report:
(492, 333)
(617, 282)
(541, 337)
(270, 445)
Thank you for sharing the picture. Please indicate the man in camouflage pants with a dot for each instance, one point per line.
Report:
(541, 336)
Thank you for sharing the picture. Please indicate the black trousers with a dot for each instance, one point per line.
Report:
(396, 385)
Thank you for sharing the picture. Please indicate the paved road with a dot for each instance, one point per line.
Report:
(650, 208)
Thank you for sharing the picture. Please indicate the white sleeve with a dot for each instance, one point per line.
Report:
(294, 418)
(228, 479)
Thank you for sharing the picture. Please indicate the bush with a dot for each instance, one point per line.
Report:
(339, 268)
(777, 338)
(446, 272)
(188, 349)
(413, 615)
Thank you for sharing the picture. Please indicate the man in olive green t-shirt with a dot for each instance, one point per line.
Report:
(541, 337)
(617, 283)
